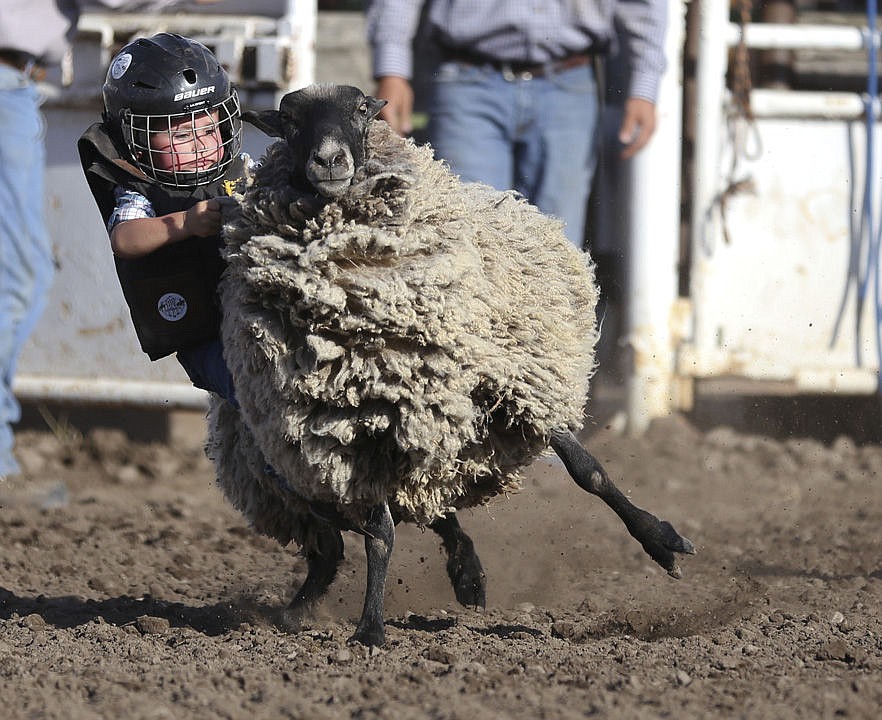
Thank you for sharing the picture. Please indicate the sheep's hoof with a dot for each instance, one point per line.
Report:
(469, 581)
(661, 541)
(369, 636)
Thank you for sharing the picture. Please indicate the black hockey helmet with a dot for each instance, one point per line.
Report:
(153, 85)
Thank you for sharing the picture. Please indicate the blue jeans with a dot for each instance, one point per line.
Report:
(26, 262)
(535, 136)
(207, 369)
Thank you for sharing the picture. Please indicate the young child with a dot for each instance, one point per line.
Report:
(166, 150)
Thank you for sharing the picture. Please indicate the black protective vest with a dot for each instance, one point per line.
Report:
(172, 292)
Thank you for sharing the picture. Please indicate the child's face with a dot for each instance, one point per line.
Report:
(188, 145)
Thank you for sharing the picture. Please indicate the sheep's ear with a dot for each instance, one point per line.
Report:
(374, 105)
(267, 121)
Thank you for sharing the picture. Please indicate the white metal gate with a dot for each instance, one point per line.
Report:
(781, 282)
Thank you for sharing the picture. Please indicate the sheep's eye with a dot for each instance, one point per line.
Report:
(363, 108)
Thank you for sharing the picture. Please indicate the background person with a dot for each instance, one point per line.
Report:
(514, 100)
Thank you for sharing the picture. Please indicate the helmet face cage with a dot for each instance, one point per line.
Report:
(186, 149)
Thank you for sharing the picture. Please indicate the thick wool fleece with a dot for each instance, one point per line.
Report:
(415, 341)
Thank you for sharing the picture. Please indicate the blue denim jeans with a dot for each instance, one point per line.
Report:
(535, 136)
(207, 369)
(26, 263)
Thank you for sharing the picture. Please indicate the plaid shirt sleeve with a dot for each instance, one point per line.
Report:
(130, 205)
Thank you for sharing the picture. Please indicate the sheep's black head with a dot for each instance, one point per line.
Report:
(326, 127)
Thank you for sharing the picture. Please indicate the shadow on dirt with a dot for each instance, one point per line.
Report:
(437, 625)
(70, 611)
(418, 622)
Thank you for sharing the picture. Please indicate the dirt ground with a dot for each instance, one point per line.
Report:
(130, 589)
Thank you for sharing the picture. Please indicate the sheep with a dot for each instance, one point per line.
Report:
(402, 344)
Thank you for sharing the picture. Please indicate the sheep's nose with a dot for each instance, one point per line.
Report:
(329, 160)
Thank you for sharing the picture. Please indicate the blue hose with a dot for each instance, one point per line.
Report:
(871, 230)
(873, 261)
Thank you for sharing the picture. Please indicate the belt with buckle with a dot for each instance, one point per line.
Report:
(22, 61)
(520, 70)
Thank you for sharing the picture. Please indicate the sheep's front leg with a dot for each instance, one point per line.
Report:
(463, 566)
(658, 537)
(379, 538)
(322, 562)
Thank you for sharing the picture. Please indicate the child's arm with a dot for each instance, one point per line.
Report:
(140, 236)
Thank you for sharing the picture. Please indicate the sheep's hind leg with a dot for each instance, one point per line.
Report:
(379, 537)
(322, 563)
(463, 566)
(658, 537)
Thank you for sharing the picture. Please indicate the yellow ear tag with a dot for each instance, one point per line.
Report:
(229, 187)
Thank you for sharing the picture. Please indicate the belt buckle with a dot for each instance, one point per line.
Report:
(28, 69)
(34, 71)
(509, 75)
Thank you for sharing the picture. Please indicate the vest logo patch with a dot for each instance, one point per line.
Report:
(172, 306)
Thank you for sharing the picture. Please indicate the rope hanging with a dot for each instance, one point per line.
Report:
(742, 122)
